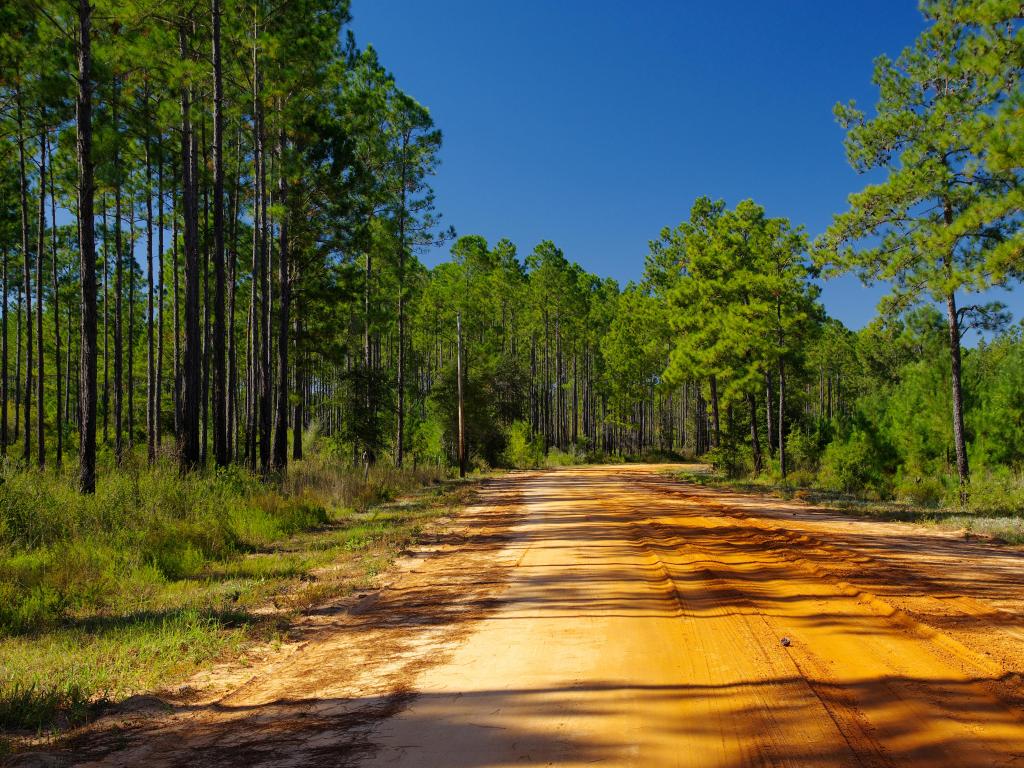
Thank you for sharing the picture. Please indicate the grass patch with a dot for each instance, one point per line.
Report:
(128, 591)
(1002, 521)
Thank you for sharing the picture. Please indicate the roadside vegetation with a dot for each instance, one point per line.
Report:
(133, 588)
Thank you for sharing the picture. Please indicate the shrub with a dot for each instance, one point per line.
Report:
(522, 450)
(732, 460)
(851, 465)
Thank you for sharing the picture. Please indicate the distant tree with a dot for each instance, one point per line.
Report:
(933, 226)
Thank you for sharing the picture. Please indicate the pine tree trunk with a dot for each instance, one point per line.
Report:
(159, 388)
(188, 450)
(716, 435)
(151, 390)
(106, 323)
(959, 437)
(220, 381)
(26, 287)
(87, 249)
(4, 393)
(118, 293)
(59, 421)
(130, 433)
(400, 432)
(40, 251)
(280, 453)
(782, 417)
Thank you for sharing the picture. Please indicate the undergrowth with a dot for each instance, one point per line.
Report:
(994, 508)
(126, 591)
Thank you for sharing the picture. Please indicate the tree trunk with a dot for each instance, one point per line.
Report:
(220, 382)
(782, 418)
(151, 390)
(280, 454)
(400, 431)
(118, 290)
(188, 450)
(716, 435)
(158, 394)
(26, 287)
(40, 251)
(959, 437)
(59, 421)
(4, 394)
(755, 442)
(87, 249)
(462, 418)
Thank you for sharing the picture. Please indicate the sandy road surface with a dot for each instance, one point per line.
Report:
(608, 616)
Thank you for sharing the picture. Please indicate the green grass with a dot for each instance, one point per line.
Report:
(128, 591)
(995, 507)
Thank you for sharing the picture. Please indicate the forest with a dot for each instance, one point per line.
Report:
(212, 224)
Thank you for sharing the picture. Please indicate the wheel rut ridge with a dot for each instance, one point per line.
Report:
(1005, 685)
(850, 723)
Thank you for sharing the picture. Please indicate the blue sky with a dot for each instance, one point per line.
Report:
(595, 124)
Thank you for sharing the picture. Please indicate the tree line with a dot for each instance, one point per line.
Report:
(211, 217)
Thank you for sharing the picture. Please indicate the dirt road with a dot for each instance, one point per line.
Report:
(609, 615)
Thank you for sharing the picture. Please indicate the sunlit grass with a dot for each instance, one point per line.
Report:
(104, 597)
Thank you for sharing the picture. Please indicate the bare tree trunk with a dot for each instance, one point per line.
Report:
(159, 387)
(782, 417)
(220, 382)
(59, 421)
(151, 387)
(400, 433)
(27, 287)
(279, 460)
(188, 451)
(716, 435)
(131, 324)
(959, 437)
(4, 394)
(755, 442)
(40, 251)
(87, 249)
(298, 417)
(106, 323)
(118, 292)
(176, 367)
(462, 417)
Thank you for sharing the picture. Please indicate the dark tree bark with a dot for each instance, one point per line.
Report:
(26, 286)
(158, 394)
(4, 394)
(716, 434)
(87, 249)
(188, 443)
(106, 323)
(959, 437)
(279, 459)
(40, 251)
(755, 442)
(151, 389)
(298, 415)
(130, 432)
(118, 293)
(220, 382)
(59, 418)
(782, 418)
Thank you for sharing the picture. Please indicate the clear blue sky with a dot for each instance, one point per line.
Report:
(596, 123)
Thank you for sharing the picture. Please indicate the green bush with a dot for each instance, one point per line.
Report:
(522, 450)
(731, 460)
(852, 465)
